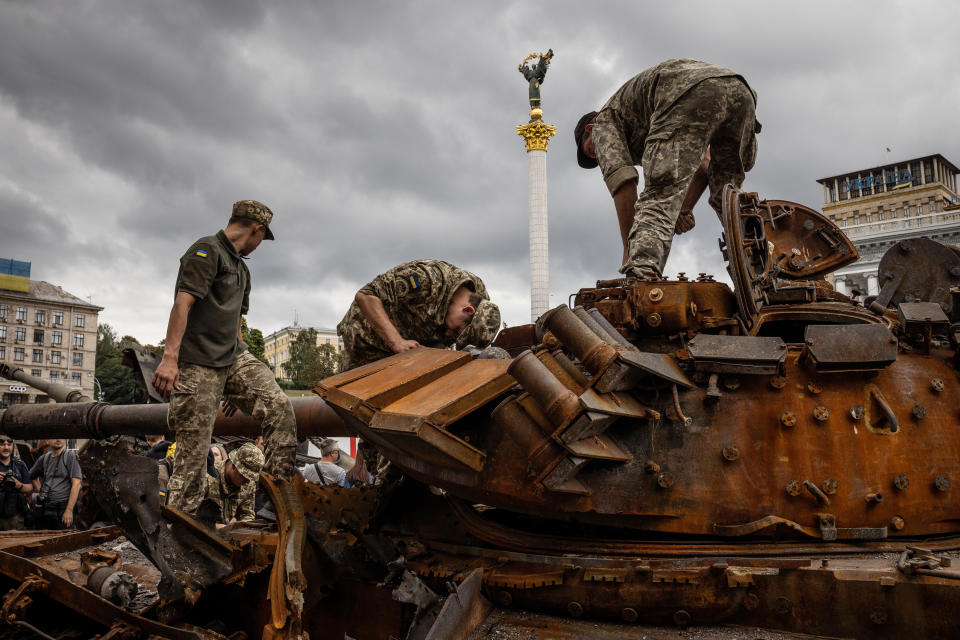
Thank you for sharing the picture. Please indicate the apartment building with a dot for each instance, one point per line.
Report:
(276, 346)
(49, 333)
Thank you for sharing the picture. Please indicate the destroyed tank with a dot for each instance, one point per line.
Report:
(676, 452)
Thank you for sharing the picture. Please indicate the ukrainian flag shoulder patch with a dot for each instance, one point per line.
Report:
(414, 281)
(201, 253)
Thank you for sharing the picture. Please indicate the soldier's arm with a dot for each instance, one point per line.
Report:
(165, 377)
(698, 184)
(625, 201)
(245, 509)
(376, 316)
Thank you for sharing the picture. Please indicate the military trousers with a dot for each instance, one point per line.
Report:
(719, 113)
(249, 384)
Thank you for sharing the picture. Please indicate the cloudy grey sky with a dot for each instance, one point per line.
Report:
(384, 131)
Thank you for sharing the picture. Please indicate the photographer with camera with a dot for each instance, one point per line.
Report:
(57, 477)
(15, 486)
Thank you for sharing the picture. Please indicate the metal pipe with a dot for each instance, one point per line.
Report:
(558, 403)
(59, 392)
(98, 420)
(601, 320)
(575, 374)
(595, 354)
(592, 324)
(559, 372)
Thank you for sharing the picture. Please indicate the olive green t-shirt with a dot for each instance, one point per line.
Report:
(214, 273)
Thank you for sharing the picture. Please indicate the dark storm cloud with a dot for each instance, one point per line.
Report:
(383, 131)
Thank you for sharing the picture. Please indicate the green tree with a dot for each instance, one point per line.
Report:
(254, 340)
(303, 359)
(116, 381)
(328, 362)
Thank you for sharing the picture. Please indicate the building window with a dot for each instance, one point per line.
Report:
(856, 217)
(40, 316)
(55, 357)
(38, 355)
(919, 209)
(57, 337)
(78, 341)
(36, 373)
(58, 318)
(928, 172)
(3, 312)
(18, 354)
(77, 377)
(915, 173)
(77, 359)
(3, 333)
(20, 335)
(933, 205)
(78, 320)
(880, 214)
(38, 336)
(21, 314)
(54, 376)
(3, 353)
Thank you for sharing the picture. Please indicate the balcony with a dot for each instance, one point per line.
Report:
(929, 223)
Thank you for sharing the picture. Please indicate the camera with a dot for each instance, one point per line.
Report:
(8, 482)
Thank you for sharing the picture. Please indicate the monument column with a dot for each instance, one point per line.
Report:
(536, 134)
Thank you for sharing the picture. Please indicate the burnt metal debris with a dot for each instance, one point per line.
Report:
(669, 452)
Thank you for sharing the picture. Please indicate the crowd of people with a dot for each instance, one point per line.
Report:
(43, 496)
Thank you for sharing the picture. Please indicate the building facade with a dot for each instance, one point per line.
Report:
(51, 334)
(880, 206)
(276, 346)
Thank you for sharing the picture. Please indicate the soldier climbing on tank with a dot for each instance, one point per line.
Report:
(419, 303)
(205, 359)
(689, 124)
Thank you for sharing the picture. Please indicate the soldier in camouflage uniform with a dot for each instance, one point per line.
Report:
(689, 124)
(204, 358)
(423, 302)
(234, 490)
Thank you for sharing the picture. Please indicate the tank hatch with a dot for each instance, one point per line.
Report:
(773, 246)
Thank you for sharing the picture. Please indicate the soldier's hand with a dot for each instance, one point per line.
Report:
(685, 222)
(166, 376)
(67, 518)
(228, 408)
(401, 345)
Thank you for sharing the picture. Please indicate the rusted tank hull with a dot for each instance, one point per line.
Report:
(739, 465)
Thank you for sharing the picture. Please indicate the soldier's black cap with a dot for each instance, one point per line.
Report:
(583, 159)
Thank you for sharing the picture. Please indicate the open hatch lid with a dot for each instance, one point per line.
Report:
(766, 241)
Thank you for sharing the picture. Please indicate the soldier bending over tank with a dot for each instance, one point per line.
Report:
(689, 124)
(423, 302)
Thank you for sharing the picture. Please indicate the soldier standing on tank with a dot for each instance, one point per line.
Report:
(205, 359)
(423, 302)
(689, 124)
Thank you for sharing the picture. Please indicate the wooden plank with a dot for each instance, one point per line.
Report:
(456, 394)
(405, 375)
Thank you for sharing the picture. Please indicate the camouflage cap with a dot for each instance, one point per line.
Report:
(583, 159)
(483, 328)
(256, 211)
(328, 446)
(248, 459)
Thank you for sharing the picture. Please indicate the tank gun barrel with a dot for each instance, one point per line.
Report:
(59, 392)
(99, 420)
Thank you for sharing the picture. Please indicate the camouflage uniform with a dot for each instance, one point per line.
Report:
(416, 296)
(664, 119)
(214, 364)
(233, 501)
